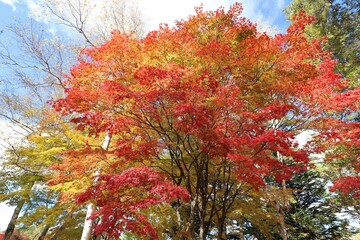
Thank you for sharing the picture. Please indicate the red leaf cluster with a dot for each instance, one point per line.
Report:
(347, 185)
(121, 196)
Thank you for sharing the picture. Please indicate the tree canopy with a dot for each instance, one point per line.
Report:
(200, 115)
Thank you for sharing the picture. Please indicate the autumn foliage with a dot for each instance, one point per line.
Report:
(135, 188)
(15, 236)
(199, 114)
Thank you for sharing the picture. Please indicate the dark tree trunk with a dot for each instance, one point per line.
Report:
(11, 226)
(44, 232)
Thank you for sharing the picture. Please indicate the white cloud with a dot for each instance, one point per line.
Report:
(52, 31)
(264, 13)
(36, 11)
(264, 25)
(11, 3)
(166, 11)
(59, 14)
(250, 9)
(153, 12)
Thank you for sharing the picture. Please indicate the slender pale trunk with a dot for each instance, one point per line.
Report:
(283, 207)
(201, 232)
(87, 230)
(282, 213)
(88, 223)
(202, 217)
(11, 226)
(178, 215)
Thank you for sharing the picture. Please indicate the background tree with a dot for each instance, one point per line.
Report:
(338, 21)
(311, 213)
(25, 173)
(34, 67)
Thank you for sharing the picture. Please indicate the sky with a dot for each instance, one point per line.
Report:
(267, 13)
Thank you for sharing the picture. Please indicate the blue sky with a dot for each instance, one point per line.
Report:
(268, 13)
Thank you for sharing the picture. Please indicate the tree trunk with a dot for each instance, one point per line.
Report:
(221, 228)
(241, 231)
(202, 214)
(282, 213)
(201, 231)
(87, 230)
(11, 226)
(191, 226)
(282, 208)
(282, 225)
(88, 224)
(44, 232)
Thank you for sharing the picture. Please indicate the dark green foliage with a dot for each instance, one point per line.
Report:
(311, 215)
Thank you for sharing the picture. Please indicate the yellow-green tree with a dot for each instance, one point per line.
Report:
(34, 67)
(26, 171)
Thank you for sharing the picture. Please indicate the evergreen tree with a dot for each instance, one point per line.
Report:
(311, 215)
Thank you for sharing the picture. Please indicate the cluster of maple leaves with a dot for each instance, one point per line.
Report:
(211, 90)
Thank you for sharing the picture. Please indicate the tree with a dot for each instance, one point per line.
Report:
(310, 213)
(35, 64)
(204, 107)
(312, 216)
(25, 172)
(121, 15)
(337, 21)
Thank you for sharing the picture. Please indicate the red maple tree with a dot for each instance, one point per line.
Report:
(209, 106)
